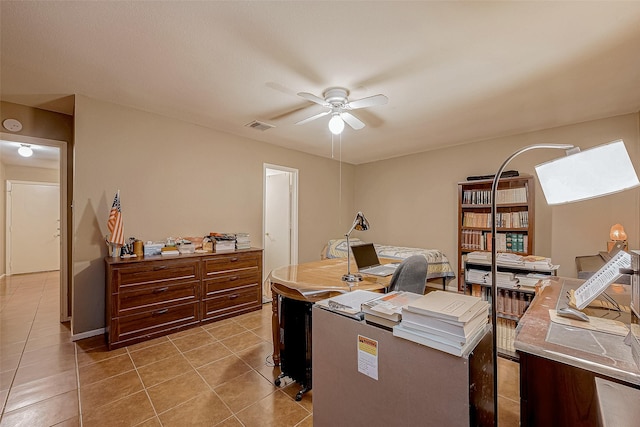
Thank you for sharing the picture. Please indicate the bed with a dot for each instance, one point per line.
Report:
(439, 266)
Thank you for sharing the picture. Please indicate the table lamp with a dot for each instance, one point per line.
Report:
(581, 175)
(360, 223)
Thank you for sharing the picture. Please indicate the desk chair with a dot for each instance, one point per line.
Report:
(410, 276)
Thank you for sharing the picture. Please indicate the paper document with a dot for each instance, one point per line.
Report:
(602, 278)
(349, 302)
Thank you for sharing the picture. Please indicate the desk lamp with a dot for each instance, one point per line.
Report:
(578, 176)
(360, 223)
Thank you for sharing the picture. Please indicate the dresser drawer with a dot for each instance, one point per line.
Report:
(154, 323)
(231, 261)
(230, 302)
(155, 273)
(146, 298)
(229, 280)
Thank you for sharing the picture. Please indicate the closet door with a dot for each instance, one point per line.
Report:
(33, 227)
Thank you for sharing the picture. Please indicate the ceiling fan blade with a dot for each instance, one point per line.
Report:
(369, 101)
(352, 120)
(311, 97)
(317, 116)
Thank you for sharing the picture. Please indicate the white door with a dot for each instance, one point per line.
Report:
(33, 219)
(280, 220)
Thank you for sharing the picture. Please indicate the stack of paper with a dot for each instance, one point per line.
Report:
(508, 259)
(530, 280)
(533, 262)
(447, 321)
(386, 311)
(243, 241)
(349, 303)
(503, 279)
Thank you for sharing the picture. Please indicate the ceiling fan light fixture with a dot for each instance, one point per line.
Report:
(25, 150)
(336, 124)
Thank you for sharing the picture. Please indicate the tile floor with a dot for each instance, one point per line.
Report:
(216, 375)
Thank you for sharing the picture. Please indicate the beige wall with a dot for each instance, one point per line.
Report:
(420, 191)
(22, 173)
(179, 179)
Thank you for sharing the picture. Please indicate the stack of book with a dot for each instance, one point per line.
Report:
(243, 241)
(224, 242)
(447, 321)
(386, 311)
(170, 250)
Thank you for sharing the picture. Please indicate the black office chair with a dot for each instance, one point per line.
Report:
(410, 276)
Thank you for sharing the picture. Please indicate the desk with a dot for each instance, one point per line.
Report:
(416, 385)
(312, 282)
(559, 364)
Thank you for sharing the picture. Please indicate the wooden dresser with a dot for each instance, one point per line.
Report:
(154, 296)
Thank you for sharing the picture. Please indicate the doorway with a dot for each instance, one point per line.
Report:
(280, 220)
(55, 158)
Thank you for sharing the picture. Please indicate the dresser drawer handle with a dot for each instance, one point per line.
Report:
(234, 259)
(233, 278)
(234, 296)
(159, 267)
(163, 311)
(159, 290)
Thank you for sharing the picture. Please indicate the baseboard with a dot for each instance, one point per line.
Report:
(88, 334)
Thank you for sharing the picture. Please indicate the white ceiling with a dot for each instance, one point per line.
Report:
(454, 72)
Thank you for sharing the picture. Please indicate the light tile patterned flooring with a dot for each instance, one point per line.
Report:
(215, 375)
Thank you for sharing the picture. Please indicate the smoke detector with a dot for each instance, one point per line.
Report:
(12, 125)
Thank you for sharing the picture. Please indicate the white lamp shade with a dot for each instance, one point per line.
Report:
(25, 151)
(602, 170)
(336, 125)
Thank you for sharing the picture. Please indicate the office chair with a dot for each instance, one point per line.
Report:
(410, 276)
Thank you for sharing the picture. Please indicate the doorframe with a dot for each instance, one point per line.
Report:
(65, 278)
(293, 201)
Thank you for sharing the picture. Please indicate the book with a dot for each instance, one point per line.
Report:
(380, 322)
(433, 342)
(349, 303)
(390, 305)
(443, 327)
(447, 305)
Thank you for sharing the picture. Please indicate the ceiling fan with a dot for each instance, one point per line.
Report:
(338, 104)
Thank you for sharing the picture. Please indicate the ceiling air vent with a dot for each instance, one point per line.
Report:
(259, 125)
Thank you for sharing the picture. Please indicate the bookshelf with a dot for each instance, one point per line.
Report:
(512, 301)
(515, 213)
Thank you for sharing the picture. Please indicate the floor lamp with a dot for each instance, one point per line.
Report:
(581, 175)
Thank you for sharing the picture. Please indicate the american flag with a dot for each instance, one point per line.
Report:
(115, 222)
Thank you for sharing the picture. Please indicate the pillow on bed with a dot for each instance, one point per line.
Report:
(337, 248)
